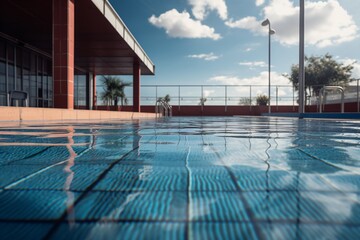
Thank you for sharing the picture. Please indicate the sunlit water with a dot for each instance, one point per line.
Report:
(181, 178)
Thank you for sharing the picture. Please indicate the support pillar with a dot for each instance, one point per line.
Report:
(63, 53)
(136, 87)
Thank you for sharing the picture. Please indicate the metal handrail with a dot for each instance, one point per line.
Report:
(163, 108)
(331, 88)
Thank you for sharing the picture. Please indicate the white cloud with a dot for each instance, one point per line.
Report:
(259, 2)
(326, 23)
(248, 23)
(200, 8)
(206, 56)
(261, 79)
(259, 84)
(253, 65)
(248, 49)
(180, 25)
(207, 93)
(355, 63)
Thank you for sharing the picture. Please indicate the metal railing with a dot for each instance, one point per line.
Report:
(162, 108)
(234, 95)
(218, 95)
(323, 92)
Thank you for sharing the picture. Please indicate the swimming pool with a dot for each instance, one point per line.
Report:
(181, 178)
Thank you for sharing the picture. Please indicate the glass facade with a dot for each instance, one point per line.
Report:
(26, 70)
(81, 90)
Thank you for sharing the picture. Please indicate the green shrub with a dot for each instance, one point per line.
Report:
(262, 100)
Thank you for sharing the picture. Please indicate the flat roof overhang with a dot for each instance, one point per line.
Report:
(103, 43)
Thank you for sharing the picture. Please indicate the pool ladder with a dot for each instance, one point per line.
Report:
(323, 96)
(163, 108)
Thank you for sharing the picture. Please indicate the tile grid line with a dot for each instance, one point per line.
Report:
(87, 190)
(243, 200)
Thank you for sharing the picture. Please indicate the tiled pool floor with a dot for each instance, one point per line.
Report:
(181, 178)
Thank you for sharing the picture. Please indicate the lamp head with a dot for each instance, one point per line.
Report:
(272, 31)
(265, 22)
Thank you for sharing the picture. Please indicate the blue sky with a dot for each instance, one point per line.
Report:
(223, 42)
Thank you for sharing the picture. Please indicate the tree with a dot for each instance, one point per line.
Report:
(321, 71)
(113, 90)
(262, 100)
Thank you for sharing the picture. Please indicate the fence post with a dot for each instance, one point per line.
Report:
(357, 94)
(179, 99)
(293, 97)
(225, 98)
(250, 99)
(277, 92)
(202, 98)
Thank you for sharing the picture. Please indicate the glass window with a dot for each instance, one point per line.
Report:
(3, 100)
(2, 50)
(11, 77)
(10, 52)
(2, 77)
(39, 78)
(26, 72)
(81, 91)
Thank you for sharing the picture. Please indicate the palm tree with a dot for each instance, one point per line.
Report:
(165, 99)
(113, 90)
(202, 101)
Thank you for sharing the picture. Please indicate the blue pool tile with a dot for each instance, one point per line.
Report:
(217, 206)
(12, 173)
(103, 230)
(171, 156)
(336, 155)
(313, 166)
(144, 178)
(24, 230)
(275, 231)
(34, 205)
(224, 230)
(71, 177)
(274, 205)
(214, 178)
(329, 231)
(158, 206)
(330, 207)
(253, 179)
(200, 158)
(102, 155)
(305, 206)
(345, 181)
(11, 153)
(51, 155)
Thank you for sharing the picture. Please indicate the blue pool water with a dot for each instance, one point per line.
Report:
(181, 178)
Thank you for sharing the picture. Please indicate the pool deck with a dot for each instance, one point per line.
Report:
(19, 114)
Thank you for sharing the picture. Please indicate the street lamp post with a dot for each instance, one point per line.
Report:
(271, 32)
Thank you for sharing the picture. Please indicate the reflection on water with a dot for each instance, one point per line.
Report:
(70, 162)
(183, 178)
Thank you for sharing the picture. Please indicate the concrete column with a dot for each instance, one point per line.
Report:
(136, 87)
(63, 53)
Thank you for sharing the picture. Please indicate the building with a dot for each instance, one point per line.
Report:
(54, 49)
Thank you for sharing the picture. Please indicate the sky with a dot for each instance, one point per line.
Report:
(222, 41)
